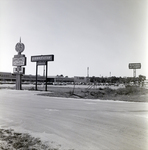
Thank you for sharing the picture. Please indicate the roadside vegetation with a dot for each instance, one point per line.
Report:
(129, 93)
(10, 140)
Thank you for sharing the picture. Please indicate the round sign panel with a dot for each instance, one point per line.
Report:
(19, 47)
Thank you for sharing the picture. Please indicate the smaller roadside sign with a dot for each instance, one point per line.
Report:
(18, 70)
(41, 63)
(134, 65)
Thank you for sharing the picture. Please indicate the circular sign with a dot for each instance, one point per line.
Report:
(19, 47)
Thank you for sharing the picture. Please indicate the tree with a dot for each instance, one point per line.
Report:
(141, 79)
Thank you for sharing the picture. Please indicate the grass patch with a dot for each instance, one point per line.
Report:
(10, 140)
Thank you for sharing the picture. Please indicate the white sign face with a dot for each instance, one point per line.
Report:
(135, 66)
(21, 61)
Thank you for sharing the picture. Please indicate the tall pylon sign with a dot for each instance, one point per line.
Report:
(134, 66)
(18, 61)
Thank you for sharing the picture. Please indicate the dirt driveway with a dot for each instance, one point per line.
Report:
(79, 124)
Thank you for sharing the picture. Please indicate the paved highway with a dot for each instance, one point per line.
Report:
(78, 124)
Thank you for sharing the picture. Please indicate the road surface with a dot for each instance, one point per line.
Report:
(78, 124)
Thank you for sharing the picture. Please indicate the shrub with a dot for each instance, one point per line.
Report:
(128, 90)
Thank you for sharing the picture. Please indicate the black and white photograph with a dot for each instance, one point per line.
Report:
(73, 74)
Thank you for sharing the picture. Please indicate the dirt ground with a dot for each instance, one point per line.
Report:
(10, 140)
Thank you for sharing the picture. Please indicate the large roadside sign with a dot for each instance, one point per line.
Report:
(134, 65)
(42, 58)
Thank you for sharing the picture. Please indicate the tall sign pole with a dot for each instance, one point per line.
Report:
(19, 60)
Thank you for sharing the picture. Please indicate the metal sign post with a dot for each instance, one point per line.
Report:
(46, 75)
(36, 77)
(19, 60)
(42, 60)
(134, 73)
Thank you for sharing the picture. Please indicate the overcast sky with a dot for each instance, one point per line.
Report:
(104, 35)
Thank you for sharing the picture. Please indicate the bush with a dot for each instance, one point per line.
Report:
(128, 90)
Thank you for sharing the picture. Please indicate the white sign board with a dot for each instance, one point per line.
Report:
(20, 61)
(135, 66)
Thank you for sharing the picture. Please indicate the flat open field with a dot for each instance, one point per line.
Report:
(117, 93)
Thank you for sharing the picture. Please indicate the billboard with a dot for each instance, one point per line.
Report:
(134, 66)
(42, 58)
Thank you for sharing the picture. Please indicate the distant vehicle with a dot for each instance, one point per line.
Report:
(55, 83)
(38, 83)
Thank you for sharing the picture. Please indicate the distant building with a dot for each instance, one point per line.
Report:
(8, 77)
(80, 80)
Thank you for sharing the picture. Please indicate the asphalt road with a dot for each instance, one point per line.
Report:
(77, 124)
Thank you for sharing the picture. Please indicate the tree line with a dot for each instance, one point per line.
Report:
(114, 79)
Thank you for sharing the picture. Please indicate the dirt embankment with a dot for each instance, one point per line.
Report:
(134, 94)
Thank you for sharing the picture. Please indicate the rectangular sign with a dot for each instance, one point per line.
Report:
(42, 58)
(20, 61)
(41, 63)
(135, 66)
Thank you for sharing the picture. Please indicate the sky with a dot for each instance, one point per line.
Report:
(104, 35)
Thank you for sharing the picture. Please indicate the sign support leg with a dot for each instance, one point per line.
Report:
(36, 76)
(46, 75)
(134, 73)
